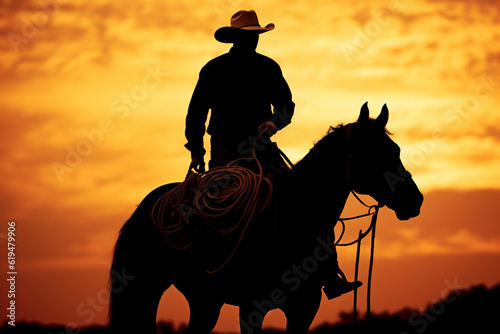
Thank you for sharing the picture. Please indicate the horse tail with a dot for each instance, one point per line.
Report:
(139, 273)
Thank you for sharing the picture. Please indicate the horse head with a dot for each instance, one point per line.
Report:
(375, 167)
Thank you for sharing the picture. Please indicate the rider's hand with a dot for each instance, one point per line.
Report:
(198, 164)
(268, 127)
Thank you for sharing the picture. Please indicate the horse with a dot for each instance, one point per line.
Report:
(281, 257)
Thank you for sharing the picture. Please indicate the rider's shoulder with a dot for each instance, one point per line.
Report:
(267, 59)
(222, 62)
(215, 62)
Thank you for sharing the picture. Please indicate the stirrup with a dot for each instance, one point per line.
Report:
(340, 287)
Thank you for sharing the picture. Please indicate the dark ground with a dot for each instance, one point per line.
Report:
(476, 310)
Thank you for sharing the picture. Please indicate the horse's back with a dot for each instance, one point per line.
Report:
(154, 195)
(147, 204)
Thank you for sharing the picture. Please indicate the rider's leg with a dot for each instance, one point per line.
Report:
(334, 279)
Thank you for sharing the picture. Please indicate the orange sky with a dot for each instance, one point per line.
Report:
(112, 83)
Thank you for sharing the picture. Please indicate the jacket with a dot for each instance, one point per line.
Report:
(239, 88)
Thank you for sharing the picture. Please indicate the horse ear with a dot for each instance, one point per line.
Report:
(364, 113)
(383, 117)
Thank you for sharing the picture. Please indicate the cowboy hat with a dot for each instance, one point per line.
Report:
(244, 20)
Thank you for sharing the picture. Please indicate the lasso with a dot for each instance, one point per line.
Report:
(219, 192)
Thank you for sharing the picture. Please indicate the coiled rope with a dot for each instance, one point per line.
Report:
(231, 189)
(227, 189)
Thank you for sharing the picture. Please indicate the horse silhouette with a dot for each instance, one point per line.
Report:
(278, 261)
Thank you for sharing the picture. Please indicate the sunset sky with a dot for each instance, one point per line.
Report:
(93, 97)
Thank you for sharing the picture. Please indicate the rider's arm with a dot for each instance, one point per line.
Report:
(197, 116)
(281, 100)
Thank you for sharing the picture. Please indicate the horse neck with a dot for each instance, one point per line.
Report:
(321, 180)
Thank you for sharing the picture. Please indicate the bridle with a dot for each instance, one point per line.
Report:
(373, 212)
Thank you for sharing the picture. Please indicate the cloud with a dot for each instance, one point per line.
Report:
(66, 78)
(81, 37)
(458, 242)
(450, 223)
(74, 222)
(88, 55)
(426, 39)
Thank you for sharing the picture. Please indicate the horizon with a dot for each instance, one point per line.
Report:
(94, 98)
(478, 302)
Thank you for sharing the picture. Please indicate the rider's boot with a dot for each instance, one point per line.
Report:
(336, 284)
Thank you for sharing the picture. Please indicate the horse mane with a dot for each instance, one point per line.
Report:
(326, 142)
(332, 129)
(317, 152)
(332, 132)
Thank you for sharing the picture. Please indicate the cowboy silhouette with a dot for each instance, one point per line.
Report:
(240, 87)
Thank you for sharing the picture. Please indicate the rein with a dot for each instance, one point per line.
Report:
(246, 180)
(372, 211)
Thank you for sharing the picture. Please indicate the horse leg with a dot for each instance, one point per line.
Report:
(251, 319)
(300, 312)
(204, 313)
(134, 303)
(138, 278)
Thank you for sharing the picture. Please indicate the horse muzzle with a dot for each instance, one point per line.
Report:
(406, 201)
